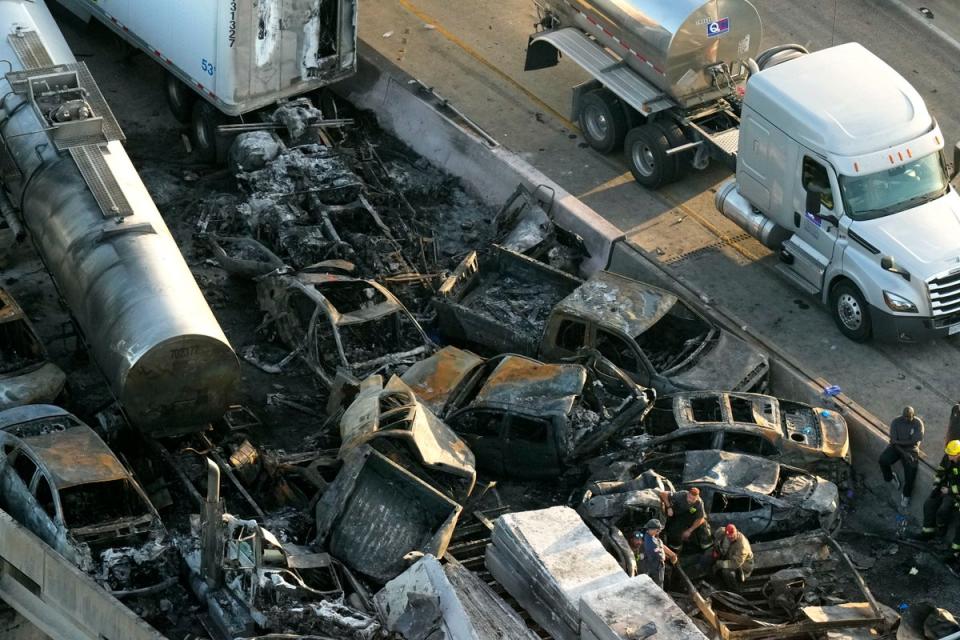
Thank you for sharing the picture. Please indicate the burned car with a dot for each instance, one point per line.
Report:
(761, 497)
(391, 420)
(61, 481)
(338, 323)
(790, 432)
(521, 417)
(26, 375)
(508, 303)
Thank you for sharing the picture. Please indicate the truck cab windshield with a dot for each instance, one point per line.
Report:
(896, 189)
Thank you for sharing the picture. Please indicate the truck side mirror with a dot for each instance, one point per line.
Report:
(812, 204)
(955, 169)
(887, 263)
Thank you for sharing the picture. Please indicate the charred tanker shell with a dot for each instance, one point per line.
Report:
(103, 240)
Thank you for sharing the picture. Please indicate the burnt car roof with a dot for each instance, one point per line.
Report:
(620, 303)
(313, 284)
(731, 471)
(75, 456)
(433, 379)
(766, 410)
(533, 386)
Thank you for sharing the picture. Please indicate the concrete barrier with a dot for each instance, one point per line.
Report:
(437, 131)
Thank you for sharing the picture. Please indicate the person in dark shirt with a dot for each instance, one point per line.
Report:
(650, 552)
(906, 434)
(686, 518)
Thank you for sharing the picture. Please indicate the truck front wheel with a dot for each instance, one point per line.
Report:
(180, 97)
(645, 148)
(602, 120)
(850, 311)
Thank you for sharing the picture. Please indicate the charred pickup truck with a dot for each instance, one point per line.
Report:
(338, 323)
(507, 303)
(26, 376)
(521, 417)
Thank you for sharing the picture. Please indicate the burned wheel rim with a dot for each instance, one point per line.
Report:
(849, 311)
(643, 159)
(595, 119)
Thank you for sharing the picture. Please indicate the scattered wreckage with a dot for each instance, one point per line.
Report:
(505, 302)
(26, 375)
(521, 417)
(63, 483)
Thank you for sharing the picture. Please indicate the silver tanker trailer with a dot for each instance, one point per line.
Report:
(668, 76)
(101, 237)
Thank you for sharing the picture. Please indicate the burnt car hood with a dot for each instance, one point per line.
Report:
(729, 363)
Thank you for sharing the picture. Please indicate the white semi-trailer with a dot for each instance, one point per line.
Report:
(237, 55)
(839, 165)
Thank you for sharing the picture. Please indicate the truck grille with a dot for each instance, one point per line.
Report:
(944, 291)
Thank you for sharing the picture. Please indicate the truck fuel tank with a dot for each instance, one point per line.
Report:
(737, 208)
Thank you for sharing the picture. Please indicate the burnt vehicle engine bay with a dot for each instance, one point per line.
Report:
(366, 467)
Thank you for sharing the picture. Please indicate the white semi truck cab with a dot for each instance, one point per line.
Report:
(841, 168)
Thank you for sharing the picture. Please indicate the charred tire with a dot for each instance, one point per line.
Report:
(645, 149)
(203, 131)
(850, 311)
(180, 97)
(602, 120)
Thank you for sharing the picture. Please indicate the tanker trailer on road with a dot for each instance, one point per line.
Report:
(101, 237)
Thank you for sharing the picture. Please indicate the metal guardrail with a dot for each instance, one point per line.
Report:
(58, 598)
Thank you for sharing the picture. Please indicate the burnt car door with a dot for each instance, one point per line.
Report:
(20, 473)
(484, 432)
(48, 524)
(530, 448)
(691, 439)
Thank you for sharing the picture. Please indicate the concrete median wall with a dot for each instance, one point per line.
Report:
(433, 129)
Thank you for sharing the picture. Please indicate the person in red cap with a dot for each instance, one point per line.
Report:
(732, 556)
(686, 518)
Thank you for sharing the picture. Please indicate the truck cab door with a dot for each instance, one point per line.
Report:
(816, 218)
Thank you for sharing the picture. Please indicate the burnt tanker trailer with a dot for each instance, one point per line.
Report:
(102, 238)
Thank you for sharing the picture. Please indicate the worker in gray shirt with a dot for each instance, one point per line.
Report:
(906, 434)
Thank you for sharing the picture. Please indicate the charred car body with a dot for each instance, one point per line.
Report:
(506, 302)
(763, 498)
(61, 481)
(521, 417)
(26, 376)
(790, 432)
(342, 324)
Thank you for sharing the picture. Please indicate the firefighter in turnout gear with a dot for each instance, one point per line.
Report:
(943, 505)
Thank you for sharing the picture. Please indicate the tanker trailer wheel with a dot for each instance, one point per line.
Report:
(203, 132)
(180, 97)
(602, 120)
(850, 311)
(646, 151)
